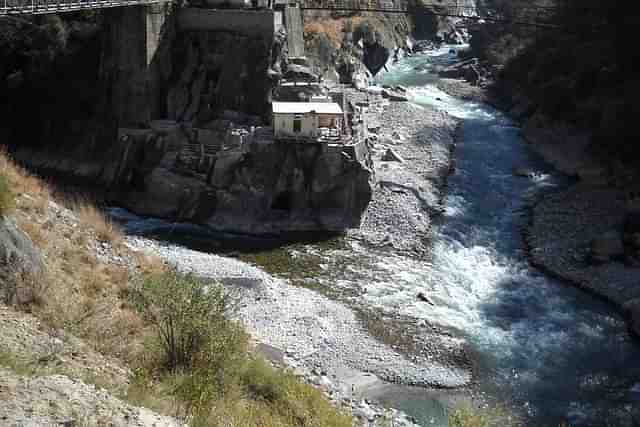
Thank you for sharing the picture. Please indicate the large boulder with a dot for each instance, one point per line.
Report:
(20, 262)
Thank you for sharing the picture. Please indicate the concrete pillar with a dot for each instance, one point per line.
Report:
(131, 71)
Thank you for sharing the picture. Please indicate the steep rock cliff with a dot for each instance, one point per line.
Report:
(354, 43)
(266, 188)
(222, 71)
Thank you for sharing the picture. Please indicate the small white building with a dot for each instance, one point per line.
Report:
(307, 120)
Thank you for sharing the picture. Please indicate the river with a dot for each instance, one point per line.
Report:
(552, 352)
(550, 348)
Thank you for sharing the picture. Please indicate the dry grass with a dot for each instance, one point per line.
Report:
(78, 292)
(94, 220)
(333, 28)
(20, 180)
(92, 299)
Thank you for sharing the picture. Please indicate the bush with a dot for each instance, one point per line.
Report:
(7, 199)
(188, 317)
(205, 365)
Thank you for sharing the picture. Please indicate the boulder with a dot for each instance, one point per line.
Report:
(393, 96)
(607, 247)
(19, 260)
(424, 298)
(392, 156)
(424, 45)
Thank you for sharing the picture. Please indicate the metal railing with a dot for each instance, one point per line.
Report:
(32, 7)
(389, 6)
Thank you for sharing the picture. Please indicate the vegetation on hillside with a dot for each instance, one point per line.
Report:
(580, 72)
(6, 196)
(187, 357)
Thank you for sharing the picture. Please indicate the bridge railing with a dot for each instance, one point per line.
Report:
(356, 5)
(18, 7)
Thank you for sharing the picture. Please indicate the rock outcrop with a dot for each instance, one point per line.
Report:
(222, 71)
(19, 261)
(262, 188)
(231, 179)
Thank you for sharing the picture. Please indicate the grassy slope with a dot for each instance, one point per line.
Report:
(86, 293)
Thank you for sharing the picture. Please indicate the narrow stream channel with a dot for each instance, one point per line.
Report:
(551, 351)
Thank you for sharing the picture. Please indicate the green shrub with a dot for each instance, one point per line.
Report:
(288, 399)
(7, 198)
(189, 318)
(204, 364)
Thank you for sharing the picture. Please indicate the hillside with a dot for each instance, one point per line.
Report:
(578, 74)
(82, 318)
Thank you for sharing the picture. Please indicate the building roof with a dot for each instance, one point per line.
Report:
(306, 107)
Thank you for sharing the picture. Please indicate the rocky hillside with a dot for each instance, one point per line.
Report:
(350, 46)
(82, 316)
(573, 86)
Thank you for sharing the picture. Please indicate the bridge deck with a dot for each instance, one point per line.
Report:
(31, 7)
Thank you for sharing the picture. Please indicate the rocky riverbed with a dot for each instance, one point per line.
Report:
(560, 236)
(412, 148)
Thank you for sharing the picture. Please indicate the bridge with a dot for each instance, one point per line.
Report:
(35, 7)
(536, 16)
(532, 16)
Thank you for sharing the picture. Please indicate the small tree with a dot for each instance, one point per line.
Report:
(188, 315)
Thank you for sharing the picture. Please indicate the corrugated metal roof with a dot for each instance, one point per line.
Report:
(306, 107)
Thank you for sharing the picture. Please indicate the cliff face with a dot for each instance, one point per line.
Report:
(350, 45)
(264, 188)
(179, 128)
(206, 176)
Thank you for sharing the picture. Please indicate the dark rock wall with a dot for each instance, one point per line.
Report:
(221, 71)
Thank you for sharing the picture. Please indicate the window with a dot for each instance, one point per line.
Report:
(297, 125)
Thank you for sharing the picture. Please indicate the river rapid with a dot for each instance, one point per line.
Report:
(554, 351)
(550, 351)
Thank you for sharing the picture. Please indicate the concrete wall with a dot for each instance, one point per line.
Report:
(295, 36)
(133, 64)
(248, 22)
